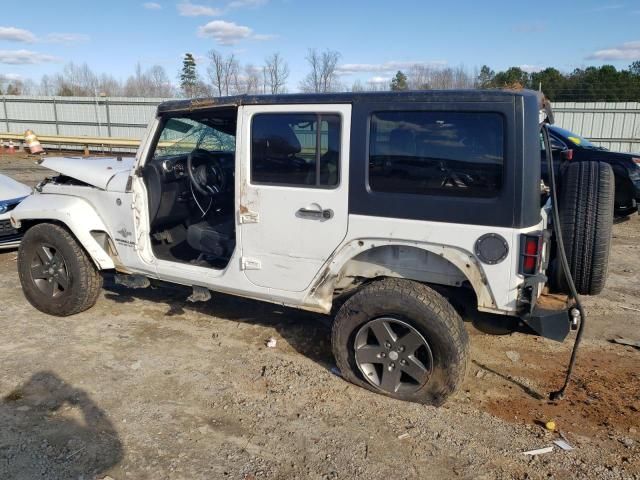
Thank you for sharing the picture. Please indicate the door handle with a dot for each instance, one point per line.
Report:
(312, 213)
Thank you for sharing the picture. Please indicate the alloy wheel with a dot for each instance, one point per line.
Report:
(392, 355)
(49, 271)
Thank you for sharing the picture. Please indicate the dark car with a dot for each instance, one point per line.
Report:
(569, 146)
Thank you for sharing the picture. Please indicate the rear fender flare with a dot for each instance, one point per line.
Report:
(74, 213)
(321, 294)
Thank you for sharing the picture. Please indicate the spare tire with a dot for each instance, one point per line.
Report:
(585, 203)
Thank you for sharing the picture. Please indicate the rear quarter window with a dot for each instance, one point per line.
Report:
(436, 153)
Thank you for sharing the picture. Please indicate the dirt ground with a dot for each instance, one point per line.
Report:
(148, 386)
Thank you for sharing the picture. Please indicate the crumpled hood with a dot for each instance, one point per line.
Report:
(96, 171)
(11, 189)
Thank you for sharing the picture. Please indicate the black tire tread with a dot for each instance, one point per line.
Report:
(88, 278)
(586, 202)
(449, 324)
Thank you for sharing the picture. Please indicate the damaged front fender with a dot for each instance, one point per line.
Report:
(73, 212)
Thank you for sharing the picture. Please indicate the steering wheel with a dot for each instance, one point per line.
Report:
(208, 177)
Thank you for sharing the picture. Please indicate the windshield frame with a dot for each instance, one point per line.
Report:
(196, 135)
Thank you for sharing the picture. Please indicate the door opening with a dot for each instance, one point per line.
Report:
(189, 178)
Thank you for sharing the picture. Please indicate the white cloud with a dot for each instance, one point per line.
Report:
(188, 9)
(11, 76)
(246, 3)
(626, 51)
(67, 38)
(16, 35)
(152, 6)
(25, 36)
(386, 67)
(229, 33)
(25, 57)
(378, 79)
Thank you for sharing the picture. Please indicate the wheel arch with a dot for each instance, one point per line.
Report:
(73, 213)
(364, 260)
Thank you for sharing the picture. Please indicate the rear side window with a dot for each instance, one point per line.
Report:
(301, 149)
(436, 153)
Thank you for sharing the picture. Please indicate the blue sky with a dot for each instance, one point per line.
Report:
(375, 37)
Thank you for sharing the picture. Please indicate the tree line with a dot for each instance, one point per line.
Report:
(590, 84)
(223, 75)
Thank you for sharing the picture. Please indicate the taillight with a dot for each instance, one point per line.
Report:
(567, 154)
(530, 253)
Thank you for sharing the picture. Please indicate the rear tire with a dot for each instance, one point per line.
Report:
(585, 204)
(426, 342)
(57, 276)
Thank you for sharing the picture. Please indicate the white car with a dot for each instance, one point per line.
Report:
(374, 205)
(11, 194)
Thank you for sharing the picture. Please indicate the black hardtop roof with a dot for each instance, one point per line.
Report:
(360, 97)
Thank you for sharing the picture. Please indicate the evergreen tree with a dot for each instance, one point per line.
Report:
(189, 75)
(399, 82)
(514, 77)
(485, 77)
(550, 81)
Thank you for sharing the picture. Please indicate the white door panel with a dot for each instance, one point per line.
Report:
(289, 232)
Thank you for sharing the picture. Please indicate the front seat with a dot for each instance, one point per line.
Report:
(274, 150)
(217, 239)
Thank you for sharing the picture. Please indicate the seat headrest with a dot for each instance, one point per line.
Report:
(276, 137)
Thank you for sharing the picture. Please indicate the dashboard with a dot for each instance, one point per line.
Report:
(175, 168)
(168, 187)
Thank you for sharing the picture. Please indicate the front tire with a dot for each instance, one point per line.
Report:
(402, 339)
(57, 276)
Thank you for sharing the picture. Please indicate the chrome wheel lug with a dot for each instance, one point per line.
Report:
(403, 362)
(392, 366)
(383, 355)
(401, 349)
(387, 344)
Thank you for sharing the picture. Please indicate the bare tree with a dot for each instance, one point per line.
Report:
(377, 85)
(421, 77)
(250, 80)
(109, 86)
(275, 74)
(323, 76)
(46, 86)
(78, 80)
(153, 82)
(223, 72)
(160, 83)
(16, 86)
(357, 86)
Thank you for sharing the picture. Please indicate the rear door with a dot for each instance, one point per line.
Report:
(294, 191)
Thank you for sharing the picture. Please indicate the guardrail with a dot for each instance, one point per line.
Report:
(76, 141)
(130, 144)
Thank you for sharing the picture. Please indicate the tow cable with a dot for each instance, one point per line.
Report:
(559, 394)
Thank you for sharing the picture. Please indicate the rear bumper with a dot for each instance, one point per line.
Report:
(549, 323)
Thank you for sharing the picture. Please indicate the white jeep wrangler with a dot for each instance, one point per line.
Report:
(376, 206)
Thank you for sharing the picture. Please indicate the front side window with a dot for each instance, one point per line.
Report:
(180, 136)
(436, 153)
(295, 149)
